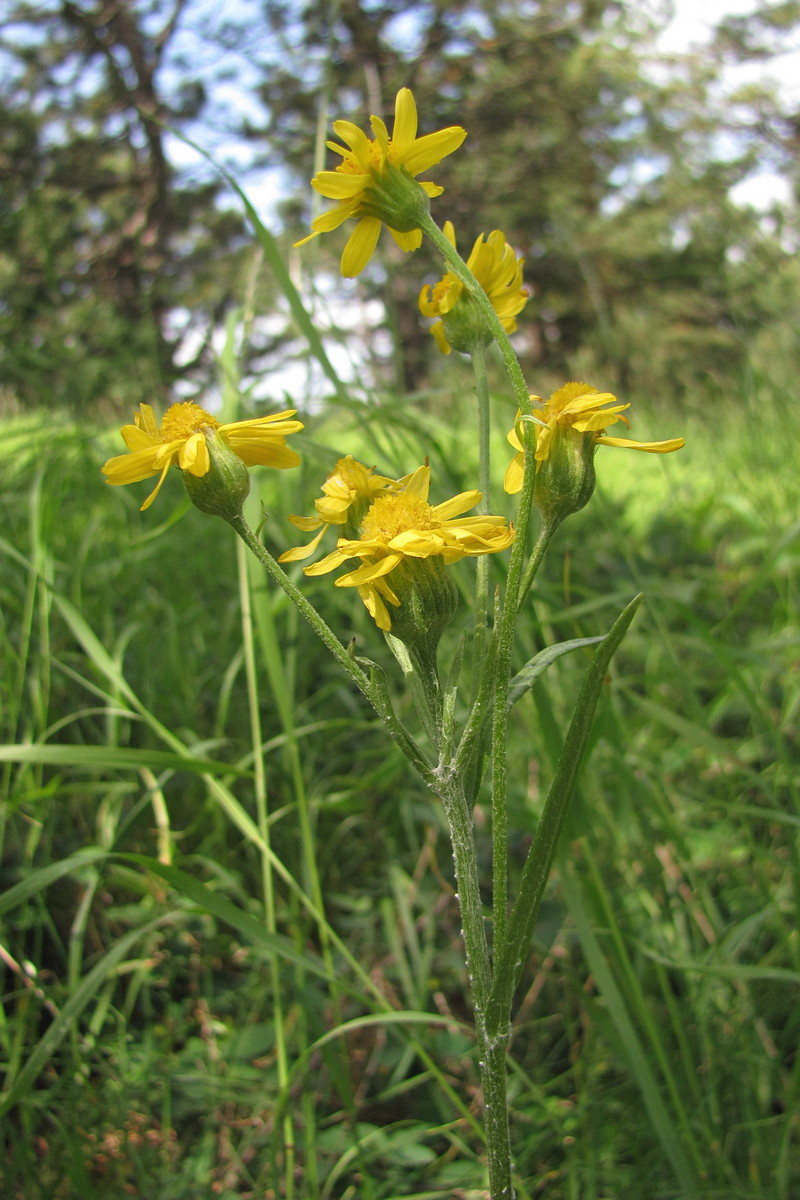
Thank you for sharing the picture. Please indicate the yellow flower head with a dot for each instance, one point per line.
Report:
(375, 181)
(499, 272)
(402, 527)
(347, 494)
(575, 409)
(182, 440)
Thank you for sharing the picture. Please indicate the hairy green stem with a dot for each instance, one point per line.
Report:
(366, 684)
(465, 858)
(491, 1045)
(495, 1116)
(535, 561)
(321, 628)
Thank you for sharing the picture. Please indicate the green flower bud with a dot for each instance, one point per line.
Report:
(565, 480)
(465, 326)
(396, 198)
(428, 601)
(225, 486)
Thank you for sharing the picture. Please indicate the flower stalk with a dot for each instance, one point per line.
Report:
(366, 683)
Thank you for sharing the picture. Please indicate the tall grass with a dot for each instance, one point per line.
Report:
(232, 960)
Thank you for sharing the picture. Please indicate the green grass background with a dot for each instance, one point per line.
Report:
(223, 982)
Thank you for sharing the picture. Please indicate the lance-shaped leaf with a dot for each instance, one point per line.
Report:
(510, 956)
(524, 680)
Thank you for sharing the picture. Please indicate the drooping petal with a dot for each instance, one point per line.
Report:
(665, 447)
(596, 420)
(514, 438)
(194, 456)
(130, 468)
(306, 524)
(425, 302)
(407, 241)
(369, 572)
(374, 604)
(264, 454)
(419, 543)
(156, 489)
(299, 553)
(329, 563)
(136, 438)
(440, 337)
(544, 439)
(360, 247)
(333, 509)
(333, 218)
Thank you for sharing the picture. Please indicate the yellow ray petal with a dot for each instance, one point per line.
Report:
(360, 247)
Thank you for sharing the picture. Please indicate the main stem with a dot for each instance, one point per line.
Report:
(491, 1046)
(495, 1117)
(492, 1037)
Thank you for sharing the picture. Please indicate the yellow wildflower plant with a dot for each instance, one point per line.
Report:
(499, 272)
(182, 440)
(347, 494)
(376, 181)
(402, 527)
(575, 408)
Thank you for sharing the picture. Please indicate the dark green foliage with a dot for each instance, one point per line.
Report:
(113, 268)
(613, 179)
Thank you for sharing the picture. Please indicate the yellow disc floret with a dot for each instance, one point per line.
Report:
(182, 420)
(399, 532)
(391, 515)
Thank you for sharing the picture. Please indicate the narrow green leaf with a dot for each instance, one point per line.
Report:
(524, 680)
(113, 758)
(745, 972)
(41, 878)
(510, 956)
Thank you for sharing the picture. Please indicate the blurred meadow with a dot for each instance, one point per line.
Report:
(230, 947)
